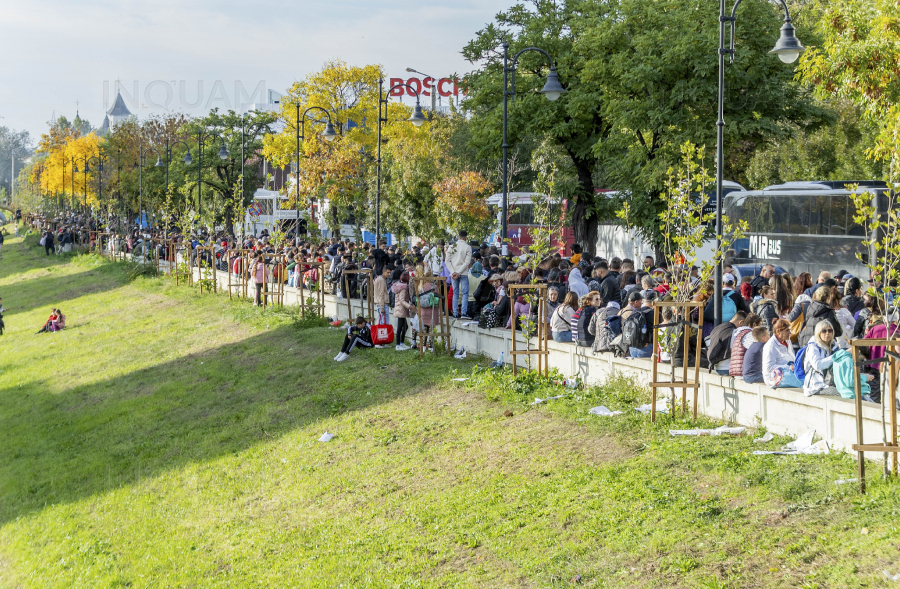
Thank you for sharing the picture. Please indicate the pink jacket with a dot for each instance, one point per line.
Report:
(878, 332)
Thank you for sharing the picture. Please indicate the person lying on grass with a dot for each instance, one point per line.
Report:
(358, 335)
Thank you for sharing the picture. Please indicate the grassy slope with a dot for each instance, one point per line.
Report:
(168, 439)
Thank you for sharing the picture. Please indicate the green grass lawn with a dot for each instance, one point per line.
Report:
(169, 439)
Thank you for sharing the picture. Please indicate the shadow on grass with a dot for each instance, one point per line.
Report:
(21, 257)
(55, 290)
(90, 439)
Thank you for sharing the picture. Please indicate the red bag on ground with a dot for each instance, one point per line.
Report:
(382, 333)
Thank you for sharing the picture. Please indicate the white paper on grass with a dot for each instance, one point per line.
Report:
(802, 445)
(538, 400)
(326, 437)
(891, 577)
(459, 379)
(766, 438)
(662, 406)
(603, 411)
(734, 431)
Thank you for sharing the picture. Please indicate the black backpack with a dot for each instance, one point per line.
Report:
(720, 344)
(635, 332)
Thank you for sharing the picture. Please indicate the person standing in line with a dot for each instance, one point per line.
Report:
(260, 273)
(459, 258)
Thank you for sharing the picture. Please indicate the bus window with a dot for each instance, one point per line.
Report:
(780, 211)
(837, 219)
(523, 216)
(799, 206)
(757, 208)
(818, 214)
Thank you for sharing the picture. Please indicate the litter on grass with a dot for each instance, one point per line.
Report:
(802, 445)
(766, 438)
(538, 400)
(326, 437)
(461, 354)
(662, 406)
(734, 431)
(603, 411)
(845, 481)
(891, 577)
(459, 379)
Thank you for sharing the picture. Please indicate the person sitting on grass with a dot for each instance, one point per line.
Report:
(54, 317)
(357, 335)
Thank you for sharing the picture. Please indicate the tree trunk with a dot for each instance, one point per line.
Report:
(584, 216)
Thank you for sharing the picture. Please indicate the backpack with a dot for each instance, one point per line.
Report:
(719, 345)
(428, 300)
(797, 325)
(799, 368)
(729, 309)
(483, 317)
(491, 320)
(610, 327)
(634, 331)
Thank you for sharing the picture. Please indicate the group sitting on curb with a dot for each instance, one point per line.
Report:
(778, 330)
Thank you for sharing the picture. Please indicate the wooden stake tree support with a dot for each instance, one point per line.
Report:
(181, 270)
(237, 283)
(892, 359)
(274, 284)
(684, 321)
(316, 290)
(205, 259)
(441, 326)
(542, 328)
(365, 274)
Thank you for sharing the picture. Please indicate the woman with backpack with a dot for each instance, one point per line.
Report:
(766, 306)
(561, 319)
(820, 309)
(592, 301)
(605, 326)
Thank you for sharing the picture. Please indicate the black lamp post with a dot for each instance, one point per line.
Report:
(143, 153)
(100, 159)
(160, 164)
(552, 90)
(223, 155)
(328, 135)
(84, 168)
(417, 119)
(788, 49)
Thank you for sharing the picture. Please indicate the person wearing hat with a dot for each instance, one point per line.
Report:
(728, 280)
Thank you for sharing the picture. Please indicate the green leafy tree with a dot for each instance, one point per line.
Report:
(836, 151)
(221, 178)
(637, 92)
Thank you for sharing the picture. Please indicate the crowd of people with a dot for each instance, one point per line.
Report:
(769, 320)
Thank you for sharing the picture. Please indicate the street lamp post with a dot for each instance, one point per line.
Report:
(328, 135)
(788, 49)
(417, 118)
(143, 153)
(552, 90)
(159, 164)
(84, 168)
(100, 159)
(223, 155)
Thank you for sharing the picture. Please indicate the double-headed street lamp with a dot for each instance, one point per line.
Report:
(328, 135)
(84, 168)
(100, 159)
(788, 49)
(161, 164)
(416, 119)
(223, 155)
(552, 90)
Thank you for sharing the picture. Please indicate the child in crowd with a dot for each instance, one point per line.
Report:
(403, 309)
(752, 364)
(357, 335)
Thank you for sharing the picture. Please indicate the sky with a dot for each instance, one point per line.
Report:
(58, 52)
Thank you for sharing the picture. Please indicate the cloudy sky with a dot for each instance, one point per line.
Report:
(58, 52)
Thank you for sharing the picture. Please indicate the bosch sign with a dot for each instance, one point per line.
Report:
(425, 86)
